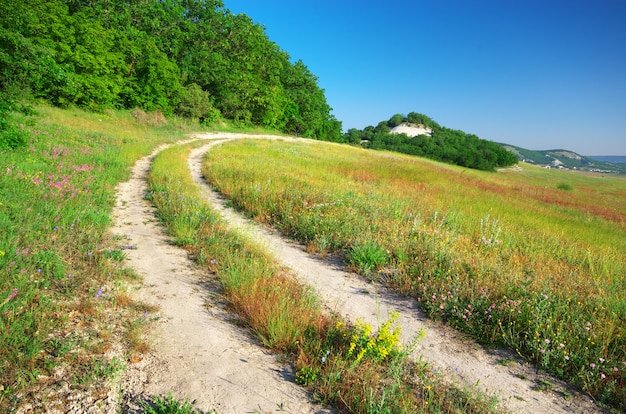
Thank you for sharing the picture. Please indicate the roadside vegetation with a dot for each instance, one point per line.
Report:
(63, 301)
(510, 258)
(350, 366)
(65, 292)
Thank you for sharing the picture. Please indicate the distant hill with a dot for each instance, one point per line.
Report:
(564, 159)
(417, 134)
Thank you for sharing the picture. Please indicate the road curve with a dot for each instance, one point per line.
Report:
(452, 353)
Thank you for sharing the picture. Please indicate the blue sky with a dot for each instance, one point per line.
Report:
(538, 74)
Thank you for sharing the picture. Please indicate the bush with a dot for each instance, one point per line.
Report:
(11, 137)
(367, 256)
(196, 104)
(169, 405)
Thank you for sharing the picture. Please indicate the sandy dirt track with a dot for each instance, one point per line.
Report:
(198, 353)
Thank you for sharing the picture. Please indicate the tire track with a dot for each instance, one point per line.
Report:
(451, 352)
(197, 352)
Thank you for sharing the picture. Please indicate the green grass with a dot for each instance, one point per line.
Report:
(510, 257)
(62, 277)
(348, 366)
(169, 405)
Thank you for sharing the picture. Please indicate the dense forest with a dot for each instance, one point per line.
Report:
(443, 144)
(193, 58)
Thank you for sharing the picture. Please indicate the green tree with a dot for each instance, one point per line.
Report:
(395, 120)
(196, 104)
(154, 54)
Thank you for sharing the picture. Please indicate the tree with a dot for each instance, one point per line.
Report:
(159, 55)
(196, 104)
(395, 120)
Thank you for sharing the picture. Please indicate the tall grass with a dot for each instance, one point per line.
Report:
(349, 366)
(60, 267)
(507, 257)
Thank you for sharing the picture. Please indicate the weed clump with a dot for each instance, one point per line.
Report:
(565, 186)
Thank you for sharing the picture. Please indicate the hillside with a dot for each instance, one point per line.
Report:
(410, 223)
(417, 134)
(564, 159)
(194, 59)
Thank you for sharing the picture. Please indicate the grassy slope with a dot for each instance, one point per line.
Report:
(529, 258)
(62, 294)
(436, 228)
(350, 367)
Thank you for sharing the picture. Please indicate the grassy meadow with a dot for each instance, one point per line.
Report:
(528, 258)
(63, 294)
(65, 291)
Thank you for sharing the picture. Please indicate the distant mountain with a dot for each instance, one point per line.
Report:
(564, 159)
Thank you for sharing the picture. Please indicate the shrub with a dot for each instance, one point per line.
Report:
(169, 405)
(11, 137)
(196, 104)
(367, 256)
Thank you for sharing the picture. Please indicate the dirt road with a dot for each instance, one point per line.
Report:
(199, 354)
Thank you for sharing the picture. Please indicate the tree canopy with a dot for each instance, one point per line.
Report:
(190, 57)
(443, 144)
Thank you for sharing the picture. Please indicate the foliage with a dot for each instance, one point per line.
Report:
(194, 58)
(444, 144)
(367, 256)
(376, 347)
(196, 104)
(11, 136)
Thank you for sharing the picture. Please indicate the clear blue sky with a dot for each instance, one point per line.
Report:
(538, 74)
